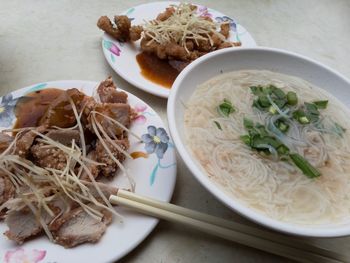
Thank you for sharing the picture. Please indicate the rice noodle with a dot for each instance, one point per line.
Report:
(275, 188)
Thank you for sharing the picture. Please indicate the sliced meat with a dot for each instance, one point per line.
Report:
(93, 168)
(108, 92)
(26, 140)
(118, 111)
(50, 157)
(64, 137)
(102, 156)
(23, 224)
(60, 112)
(106, 189)
(7, 191)
(5, 141)
(78, 227)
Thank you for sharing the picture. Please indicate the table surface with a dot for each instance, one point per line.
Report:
(55, 40)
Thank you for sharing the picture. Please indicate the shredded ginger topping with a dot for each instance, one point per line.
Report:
(184, 24)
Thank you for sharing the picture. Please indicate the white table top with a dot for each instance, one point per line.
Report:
(55, 40)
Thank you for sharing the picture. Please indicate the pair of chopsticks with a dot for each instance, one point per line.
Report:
(274, 243)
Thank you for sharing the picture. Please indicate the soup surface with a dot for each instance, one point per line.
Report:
(297, 171)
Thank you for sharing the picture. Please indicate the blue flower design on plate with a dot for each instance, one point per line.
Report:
(7, 107)
(156, 140)
(233, 23)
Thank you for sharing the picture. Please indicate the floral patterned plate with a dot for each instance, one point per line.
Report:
(122, 56)
(154, 170)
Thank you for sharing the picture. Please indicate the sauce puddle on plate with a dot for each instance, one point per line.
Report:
(30, 108)
(159, 71)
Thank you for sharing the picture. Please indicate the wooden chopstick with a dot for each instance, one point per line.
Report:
(245, 235)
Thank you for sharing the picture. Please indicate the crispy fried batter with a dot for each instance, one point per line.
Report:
(166, 14)
(120, 32)
(123, 24)
(106, 25)
(135, 32)
(225, 29)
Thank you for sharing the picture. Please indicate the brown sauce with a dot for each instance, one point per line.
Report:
(162, 72)
(30, 108)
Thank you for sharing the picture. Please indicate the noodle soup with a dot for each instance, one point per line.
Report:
(274, 142)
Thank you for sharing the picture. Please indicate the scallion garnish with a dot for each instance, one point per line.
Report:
(248, 124)
(218, 125)
(321, 104)
(339, 129)
(304, 165)
(245, 139)
(226, 108)
(292, 98)
(260, 140)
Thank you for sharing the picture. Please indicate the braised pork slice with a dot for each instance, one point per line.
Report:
(5, 141)
(25, 141)
(78, 227)
(7, 191)
(93, 168)
(102, 156)
(108, 92)
(23, 224)
(118, 111)
(60, 112)
(48, 157)
(64, 136)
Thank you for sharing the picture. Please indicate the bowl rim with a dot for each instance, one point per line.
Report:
(235, 205)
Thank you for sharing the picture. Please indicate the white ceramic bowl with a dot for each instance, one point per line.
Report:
(261, 58)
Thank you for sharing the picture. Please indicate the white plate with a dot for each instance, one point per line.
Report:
(122, 56)
(154, 178)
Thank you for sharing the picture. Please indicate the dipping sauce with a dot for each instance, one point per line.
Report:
(30, 108)
(159, 71)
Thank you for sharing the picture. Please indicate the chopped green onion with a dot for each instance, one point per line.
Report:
(246, 139)
(292, 98)
(283, 127)
(226, 108)
(248, 124)
(278, 92)
(321, 104)
(339, 129)
(311, 108)
(272, 110)
(283, 150)
(264, 101)
(304, 165)
(256, 90)
(268, 140)
(300, 116)
(218, 125)
(304, 120)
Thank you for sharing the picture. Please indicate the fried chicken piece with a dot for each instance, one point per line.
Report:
(169, 11)
(204, 45)
(148, 46)
(123, 24)
(189, 45)
(175, 51)
(225, 29)
(216, 40)
(120, 32)
(161, 51)
(225, 45)
(135, 33)
(106, 25)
